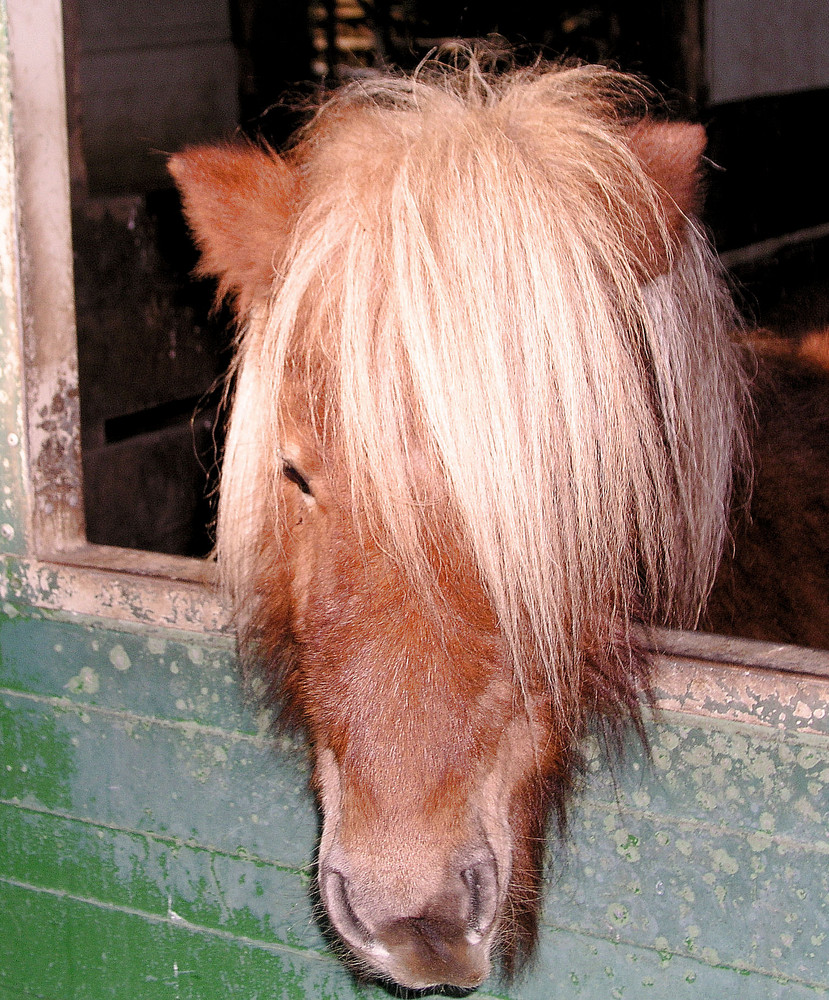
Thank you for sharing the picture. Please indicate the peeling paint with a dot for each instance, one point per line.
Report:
(121, 597)
(758, 697)
(119, 658)
(56, 451)
(85, 682)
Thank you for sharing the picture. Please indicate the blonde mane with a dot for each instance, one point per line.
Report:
(465, 276)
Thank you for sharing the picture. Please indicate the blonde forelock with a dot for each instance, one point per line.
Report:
(465, 271)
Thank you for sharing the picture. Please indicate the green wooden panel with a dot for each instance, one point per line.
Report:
(158, 876)
(579, 966)
(158, 768)
(148, 824)
(77, 950)
(92, 662)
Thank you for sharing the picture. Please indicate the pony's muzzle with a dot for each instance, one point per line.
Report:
(444, 941)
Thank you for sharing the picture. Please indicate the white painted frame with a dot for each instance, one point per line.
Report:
(49, 560)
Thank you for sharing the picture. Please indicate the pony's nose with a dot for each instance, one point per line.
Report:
(444, 942)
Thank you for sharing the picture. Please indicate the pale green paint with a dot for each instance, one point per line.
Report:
(151, 800)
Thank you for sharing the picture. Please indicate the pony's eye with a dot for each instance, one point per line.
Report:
(295, 477)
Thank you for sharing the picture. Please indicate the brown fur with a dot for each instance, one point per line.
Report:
(809, 348)
(486, 423)
(244, 197)
(670, 153)
(774, 580)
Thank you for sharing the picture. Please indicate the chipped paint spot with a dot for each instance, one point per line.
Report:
(767, 821)
(627, 846)
(808, 758)
(759, 841)
(641, 798)
(707, 799)
(805, 808)
(86, 681)
(669, 739)
(119, 658)
(723, 862)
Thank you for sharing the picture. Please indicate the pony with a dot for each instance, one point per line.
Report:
(489, 415)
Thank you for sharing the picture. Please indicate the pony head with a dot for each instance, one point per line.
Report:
(485, 416)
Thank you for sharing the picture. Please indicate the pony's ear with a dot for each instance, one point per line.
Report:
(671, 154)
(239, 201)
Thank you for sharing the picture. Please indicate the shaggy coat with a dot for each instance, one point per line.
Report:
(488, 409)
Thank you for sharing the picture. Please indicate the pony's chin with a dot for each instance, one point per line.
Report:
(393, 968)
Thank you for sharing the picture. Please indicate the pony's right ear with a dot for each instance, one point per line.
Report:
(239, 201)
(671, 155)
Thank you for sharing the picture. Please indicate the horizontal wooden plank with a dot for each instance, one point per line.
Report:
(150, 672)
(576, 967)
(756, 903)
(100, 952)
(724, 774)
(137, 592)
(158, 876)
(61, 947)
(202, 786)
(101, 764)
(140, 563)
(766, 899)
(750, 653)
(653, 857)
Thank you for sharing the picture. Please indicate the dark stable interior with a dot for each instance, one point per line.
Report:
(153, 347)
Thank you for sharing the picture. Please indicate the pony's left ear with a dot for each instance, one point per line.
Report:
(671, 154)
(239, 201)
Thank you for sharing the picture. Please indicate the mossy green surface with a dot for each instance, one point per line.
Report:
(154, 840)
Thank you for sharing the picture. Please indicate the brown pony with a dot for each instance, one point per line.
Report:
(487, 414)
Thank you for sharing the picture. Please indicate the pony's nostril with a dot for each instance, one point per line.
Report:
(335, 896)
(481, 881)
